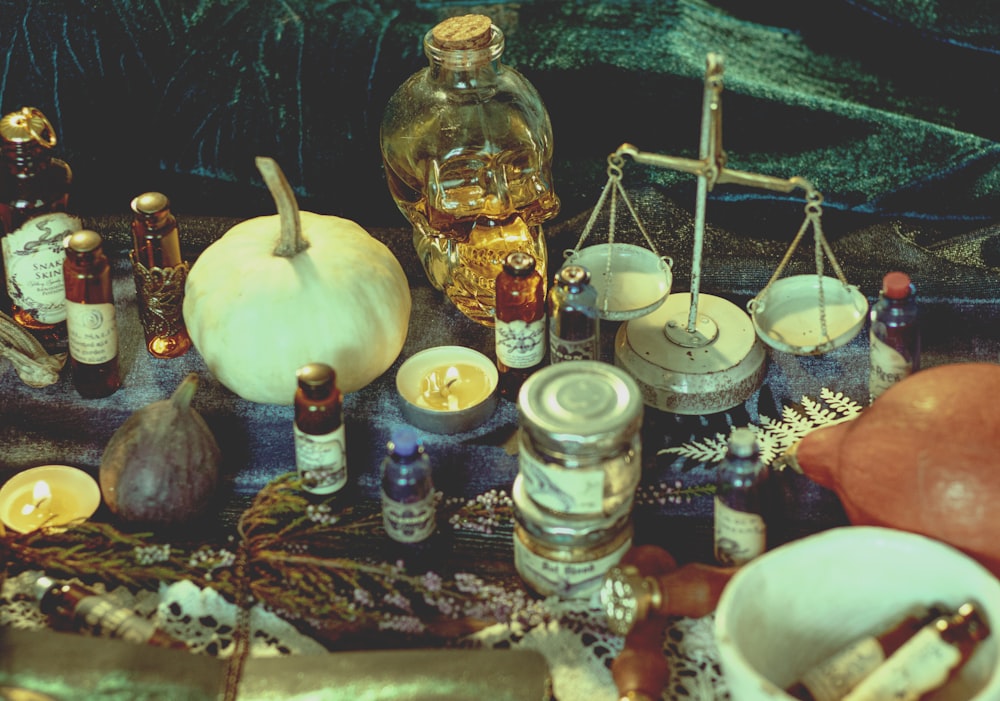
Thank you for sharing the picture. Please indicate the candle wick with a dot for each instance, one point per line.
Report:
(446, 390)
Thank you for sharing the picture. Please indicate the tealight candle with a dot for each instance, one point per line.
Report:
(50, 495)
(447, 389)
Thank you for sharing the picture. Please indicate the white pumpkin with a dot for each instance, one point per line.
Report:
(277, 292)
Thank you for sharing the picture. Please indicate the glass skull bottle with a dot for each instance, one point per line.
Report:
(467, 149)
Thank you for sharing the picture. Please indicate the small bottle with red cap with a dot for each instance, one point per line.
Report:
(894, 335)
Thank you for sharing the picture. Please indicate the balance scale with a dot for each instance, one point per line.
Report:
(693, 353)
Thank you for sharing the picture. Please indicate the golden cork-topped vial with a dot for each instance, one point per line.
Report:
(160, 272)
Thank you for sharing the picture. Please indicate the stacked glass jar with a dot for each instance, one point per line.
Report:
(580, 461)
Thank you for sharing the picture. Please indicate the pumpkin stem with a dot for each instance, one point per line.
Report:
(290, 242)
(181, 398)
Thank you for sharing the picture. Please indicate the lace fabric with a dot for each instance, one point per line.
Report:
(578, 648)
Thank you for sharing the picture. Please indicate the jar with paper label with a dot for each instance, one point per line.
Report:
(34, 193)
(580, 453)
(568, 558)
(574, 328)
(740, 528)
(894, 334)
(467, 148)
(519, 332)
(320, 441)
(91, 320)
(927, 660)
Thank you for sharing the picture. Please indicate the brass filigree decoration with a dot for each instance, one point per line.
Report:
(161, 296)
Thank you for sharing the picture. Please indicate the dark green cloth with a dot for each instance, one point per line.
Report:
(886, 106)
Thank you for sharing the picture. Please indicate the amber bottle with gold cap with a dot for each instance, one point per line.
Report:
(467, 148)
(34, 192)
(519, 331)
(91, 323)
(320, 445)
(160, 272)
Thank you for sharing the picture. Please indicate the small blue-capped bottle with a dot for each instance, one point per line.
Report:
(408, 510)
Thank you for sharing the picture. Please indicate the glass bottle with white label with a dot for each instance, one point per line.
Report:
(520, 321)
(572, 311)
(34, 193)
(835, 676)
(928, 660)
(91, 321)
(894, 334)
(740, 532)
(408, 510)
(320, 445)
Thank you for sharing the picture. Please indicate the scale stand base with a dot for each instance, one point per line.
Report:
(714, 368)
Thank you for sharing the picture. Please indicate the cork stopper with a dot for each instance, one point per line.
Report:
(463, 33)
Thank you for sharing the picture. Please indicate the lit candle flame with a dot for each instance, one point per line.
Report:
(40, 493)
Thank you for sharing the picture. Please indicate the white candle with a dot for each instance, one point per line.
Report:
(50, 495)
(447, 389)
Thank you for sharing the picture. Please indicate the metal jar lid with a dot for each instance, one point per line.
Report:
(582, 406)
(564, 531)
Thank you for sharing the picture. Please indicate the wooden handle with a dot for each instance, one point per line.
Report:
(640, 670)
(693, 590)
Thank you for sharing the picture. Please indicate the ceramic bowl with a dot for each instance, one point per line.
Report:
(796, 605)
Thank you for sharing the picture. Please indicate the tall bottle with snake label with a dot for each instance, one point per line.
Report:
(91, 321)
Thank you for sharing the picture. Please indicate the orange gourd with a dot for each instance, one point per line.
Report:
(924, 457)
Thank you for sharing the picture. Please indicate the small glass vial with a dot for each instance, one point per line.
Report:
(740, 531)
(927, 660)
(34, 193)
(71, 606)
(408, 509)
(91, 322)
(520, 321)
(574, 329)
(834, 677)
(467, 148)
(894, 334)
(320, 445)
(160, 273)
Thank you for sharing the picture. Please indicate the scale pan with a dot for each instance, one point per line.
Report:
(787, 314)
(631, 281)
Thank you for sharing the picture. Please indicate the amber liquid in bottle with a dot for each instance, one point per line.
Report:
(467, 149)
(71, 606)
(833, 678)
(927, 660)
(160, 274)
(520, 322)
(320, 445)
(34, 192)
(91, 323)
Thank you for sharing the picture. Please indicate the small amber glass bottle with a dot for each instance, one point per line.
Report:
(34, 193)
(927, 660)
(71, 606)
(833, 678)
(520, 321)
(320, 446)
(91, 323)
(160, 272)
